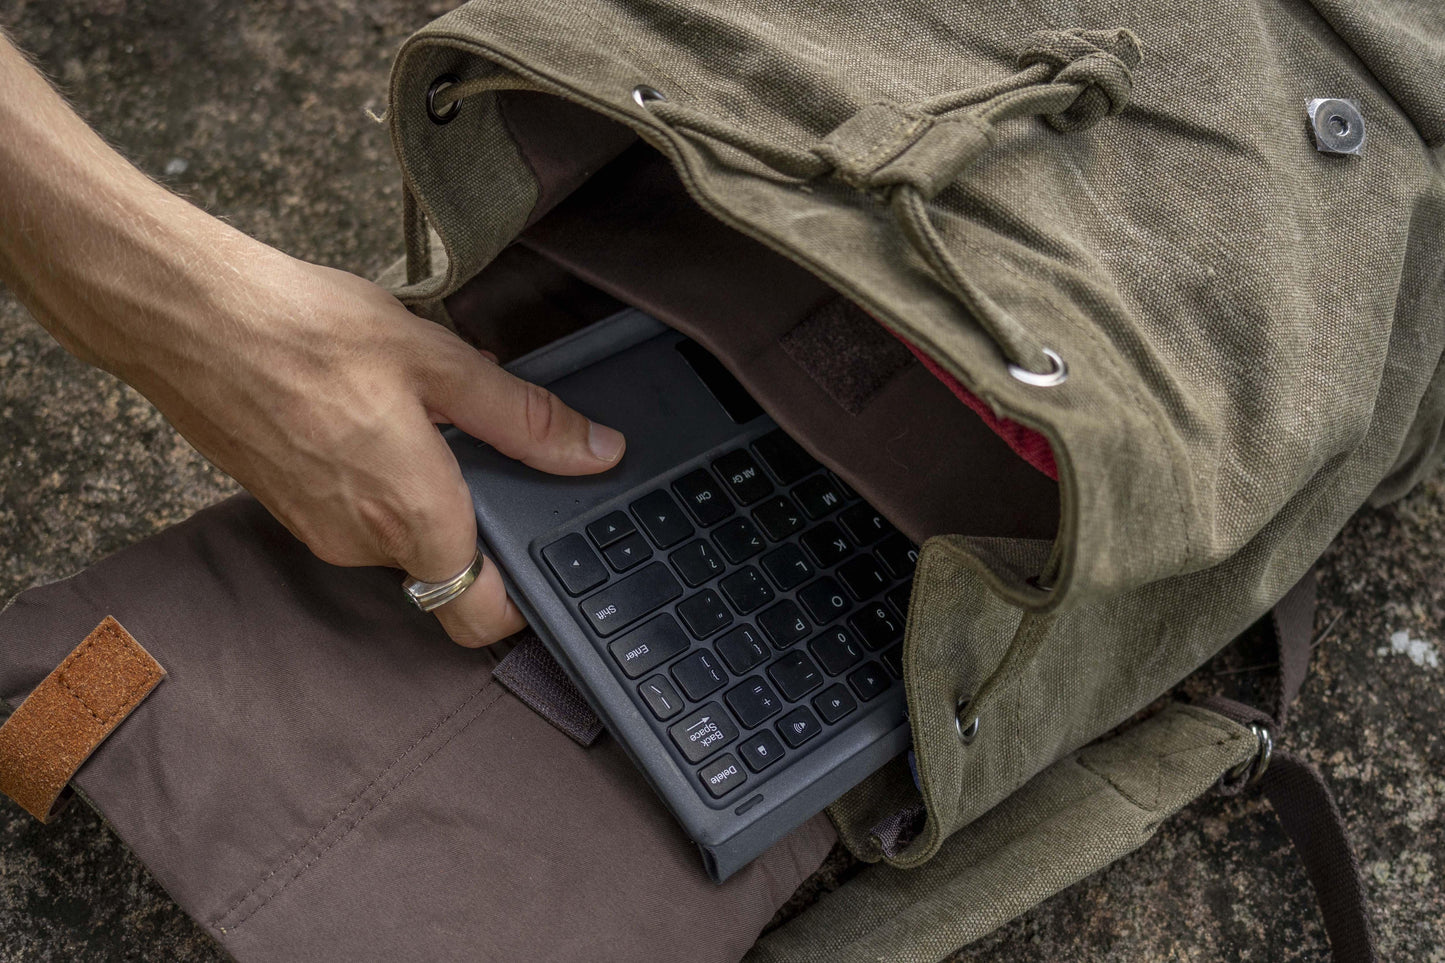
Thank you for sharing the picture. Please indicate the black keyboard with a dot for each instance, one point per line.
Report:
(752, 605)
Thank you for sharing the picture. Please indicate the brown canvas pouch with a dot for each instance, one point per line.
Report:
(324, 776)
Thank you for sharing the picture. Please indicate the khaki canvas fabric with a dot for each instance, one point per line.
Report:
(1251, 328)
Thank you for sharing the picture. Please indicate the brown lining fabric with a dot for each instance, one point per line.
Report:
(70, 713)
(884, 423)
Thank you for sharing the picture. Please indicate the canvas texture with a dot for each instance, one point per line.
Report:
(1251, 327)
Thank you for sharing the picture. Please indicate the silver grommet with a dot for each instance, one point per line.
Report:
(1057, 374)
(1337, 124)
(446, 115)
(967, 725)
(644, 95)
(1250, 771)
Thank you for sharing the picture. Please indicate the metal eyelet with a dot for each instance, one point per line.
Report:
(1250, 771)
(643, 95)
(966, 724)
(449, 114)
(1057, 375)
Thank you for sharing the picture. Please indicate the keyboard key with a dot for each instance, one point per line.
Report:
(696, 562)
(628, 553)
(784, 624)
(703, 497)
(703, 733)
(742, 649)
(754, 702)
(609, 528)
(577, 567)
(746, 590)
(778, 517)
(836, 651)
(834, 702)
(864, 525)
(760, 750)
(629, 599)
(898, 556)
(826, 544)
(818, 496)
(723, 776)
(877, 626)
(743, 477)
(699, 674)
(824, 600)
(843, 486)
(649, 645)
(704, 613)
(898, 597)
(661, 697)
(869, 681)
(739, 539)
(798, 726)
(661, 519)
(787, 566)
(893, 661)
(796, 675)
(863, 577)
(784, 457)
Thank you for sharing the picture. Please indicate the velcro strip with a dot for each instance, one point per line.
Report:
(531, 674)
(70, 713)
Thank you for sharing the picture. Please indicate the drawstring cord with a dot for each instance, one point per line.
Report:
(907, 155)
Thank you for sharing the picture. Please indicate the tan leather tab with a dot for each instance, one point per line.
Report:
(70, 713)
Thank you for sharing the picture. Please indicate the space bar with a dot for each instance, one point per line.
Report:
(624, 602)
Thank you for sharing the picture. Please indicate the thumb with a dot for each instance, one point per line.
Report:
(521, 420)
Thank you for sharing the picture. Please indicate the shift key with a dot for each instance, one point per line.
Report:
(627, 600)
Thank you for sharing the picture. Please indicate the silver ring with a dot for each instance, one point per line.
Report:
(433, 595)
(1057, 374)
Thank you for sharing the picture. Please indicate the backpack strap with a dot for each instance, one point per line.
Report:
(1298, 792)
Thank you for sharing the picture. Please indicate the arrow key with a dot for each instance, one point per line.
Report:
(576, 566)
(631, 551)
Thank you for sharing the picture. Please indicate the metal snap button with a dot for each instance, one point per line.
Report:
(967, 725)
(1338, 125)
(644, 95)
(1056, 375)
(447, 114)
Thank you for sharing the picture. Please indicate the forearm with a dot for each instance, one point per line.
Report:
(100, 254)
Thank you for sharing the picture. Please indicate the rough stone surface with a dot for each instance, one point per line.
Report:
(257, 112)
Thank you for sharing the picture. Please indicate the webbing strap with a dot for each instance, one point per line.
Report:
(1299, 794)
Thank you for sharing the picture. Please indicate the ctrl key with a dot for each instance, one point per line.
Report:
(703, 732)
(723, 776)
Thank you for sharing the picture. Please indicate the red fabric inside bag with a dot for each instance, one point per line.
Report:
(1028, 444)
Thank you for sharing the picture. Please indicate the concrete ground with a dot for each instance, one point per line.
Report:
(257, 112)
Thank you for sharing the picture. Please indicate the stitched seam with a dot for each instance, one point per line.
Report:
(361, 817)
(149, 680)
(290, 857)
(127, 701)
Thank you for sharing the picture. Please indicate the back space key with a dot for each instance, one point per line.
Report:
(629, 599)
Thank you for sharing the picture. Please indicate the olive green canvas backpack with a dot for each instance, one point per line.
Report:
(1120, 310)
(1186, 260)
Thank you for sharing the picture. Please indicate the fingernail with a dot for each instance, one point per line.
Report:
(606, 443)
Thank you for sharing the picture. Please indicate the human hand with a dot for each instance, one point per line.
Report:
(318, 392)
